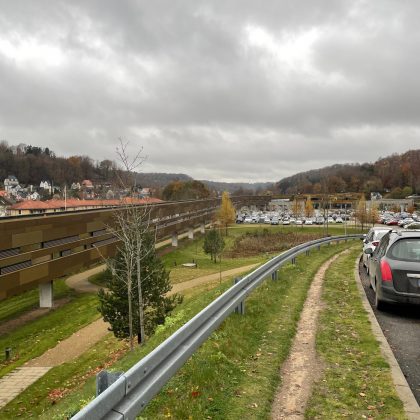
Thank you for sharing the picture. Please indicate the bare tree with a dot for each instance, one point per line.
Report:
(131, 223)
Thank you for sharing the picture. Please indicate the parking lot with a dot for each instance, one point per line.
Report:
(401, 326)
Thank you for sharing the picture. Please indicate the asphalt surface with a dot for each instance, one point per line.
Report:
(401, 327)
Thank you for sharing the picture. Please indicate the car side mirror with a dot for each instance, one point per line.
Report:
(369, 251)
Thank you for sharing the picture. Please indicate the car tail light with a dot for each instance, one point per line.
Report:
(386, 271)
(375, 243)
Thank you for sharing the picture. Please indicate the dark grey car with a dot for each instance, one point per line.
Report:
(394, 268)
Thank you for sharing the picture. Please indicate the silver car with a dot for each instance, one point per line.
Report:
(371, 240)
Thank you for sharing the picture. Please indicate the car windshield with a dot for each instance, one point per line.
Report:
(406, 249)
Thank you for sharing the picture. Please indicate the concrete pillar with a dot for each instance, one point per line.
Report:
(203, 228)
(190, 233)
(174, 239)
(46, 295)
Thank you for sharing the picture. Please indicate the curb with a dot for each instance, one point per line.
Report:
(411, 408)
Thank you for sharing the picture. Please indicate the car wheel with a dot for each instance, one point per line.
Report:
(380, 305)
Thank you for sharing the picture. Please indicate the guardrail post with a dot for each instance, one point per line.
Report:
(307, 252)
(274, 275)
(105, 379)
(319, 247)
(294, 261)
(240, 309)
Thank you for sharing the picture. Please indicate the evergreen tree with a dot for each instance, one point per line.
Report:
(213, 244)
(113, 303)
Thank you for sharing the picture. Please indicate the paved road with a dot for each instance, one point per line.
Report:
(401, 327)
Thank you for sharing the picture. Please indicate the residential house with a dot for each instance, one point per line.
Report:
(10, 183)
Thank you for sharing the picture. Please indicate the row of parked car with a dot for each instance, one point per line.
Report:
(392, 260)
(403, 219)
(288, 219)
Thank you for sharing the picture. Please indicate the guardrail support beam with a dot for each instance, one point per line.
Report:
(191, 233)
(46, 295)
(240, 309)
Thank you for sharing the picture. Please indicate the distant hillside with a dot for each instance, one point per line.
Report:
(391, 174)
(238, 187)
(159, 180)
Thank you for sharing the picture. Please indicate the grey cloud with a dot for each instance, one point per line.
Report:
(183, 80)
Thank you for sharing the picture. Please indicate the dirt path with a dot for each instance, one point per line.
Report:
(80, 281)
(302, 367)
(179, 287)
(73, 346)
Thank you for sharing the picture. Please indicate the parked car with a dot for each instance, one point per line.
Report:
(286, 222)
(371, 240)
(308, 222)
(412, 226)
(299, 222)
(394, 268)
(338, 220)
(274, 221)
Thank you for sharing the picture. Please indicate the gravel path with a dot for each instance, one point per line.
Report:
(302, 367)
(179, 287)
(73, 346)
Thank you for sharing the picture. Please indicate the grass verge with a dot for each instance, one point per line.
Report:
(34, 338)
(235, 373)
(16, 305)
(357, 382)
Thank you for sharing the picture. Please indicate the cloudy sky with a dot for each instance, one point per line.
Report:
(221, 90)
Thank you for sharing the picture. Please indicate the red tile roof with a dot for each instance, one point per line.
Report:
(74, 203)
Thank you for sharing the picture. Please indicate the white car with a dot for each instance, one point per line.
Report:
(286, 222)
(308, 222)
(299, 222)
(372, 241)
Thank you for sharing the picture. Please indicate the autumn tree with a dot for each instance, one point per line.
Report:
(213, 244)
(361, 211)
(226, 214)
(373, 214)
(296, 207)
(185, 190)
(309, 208)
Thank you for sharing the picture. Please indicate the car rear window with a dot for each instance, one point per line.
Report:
(378, 234)
(406, 249)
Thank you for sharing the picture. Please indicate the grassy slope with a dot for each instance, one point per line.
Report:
(357, 381)
(34, 338)
(16, 305)
(235, 373)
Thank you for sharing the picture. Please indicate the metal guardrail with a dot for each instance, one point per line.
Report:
(129, 394)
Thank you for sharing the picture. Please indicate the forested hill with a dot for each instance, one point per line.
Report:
(397, 174)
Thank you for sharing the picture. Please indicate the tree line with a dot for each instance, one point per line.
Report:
(397, 175)
(31, 165)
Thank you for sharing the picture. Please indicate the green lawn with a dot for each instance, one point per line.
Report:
(16, 305)
(356, 382)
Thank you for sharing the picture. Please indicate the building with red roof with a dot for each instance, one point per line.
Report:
(55, 206)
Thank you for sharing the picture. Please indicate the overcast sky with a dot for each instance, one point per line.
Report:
(220, 90)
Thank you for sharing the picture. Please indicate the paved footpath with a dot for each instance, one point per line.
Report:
(72, 347)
